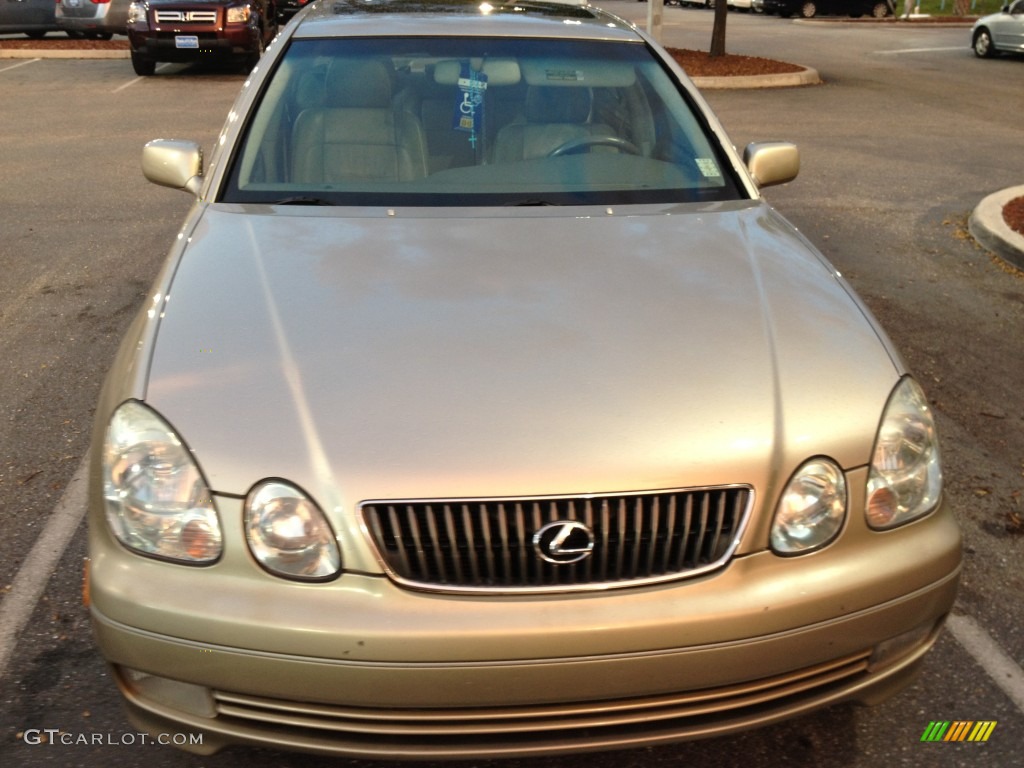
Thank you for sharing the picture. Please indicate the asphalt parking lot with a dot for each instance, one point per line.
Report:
(906, 135)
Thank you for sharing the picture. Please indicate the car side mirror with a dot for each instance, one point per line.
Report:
(174, 163)
(772, 162)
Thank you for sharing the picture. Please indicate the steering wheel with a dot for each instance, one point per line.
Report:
(577, 145)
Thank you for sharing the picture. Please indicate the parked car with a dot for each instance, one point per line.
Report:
(34, 18)
(483, 406)
(1001, 32)
(808, 9)
(99, 19)
(188, 30)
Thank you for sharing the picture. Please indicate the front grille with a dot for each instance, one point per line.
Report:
(492, 544)
(194, 17)
(453, 732)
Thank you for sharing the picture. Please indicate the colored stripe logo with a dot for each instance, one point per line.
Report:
(959, 730)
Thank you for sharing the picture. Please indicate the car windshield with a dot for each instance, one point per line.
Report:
(475, 121)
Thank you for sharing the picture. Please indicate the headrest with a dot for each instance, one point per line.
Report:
(557, 105)
(310, 90)
(358, 83)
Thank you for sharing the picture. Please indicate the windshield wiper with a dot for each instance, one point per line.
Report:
(302, 200)
(531, 201)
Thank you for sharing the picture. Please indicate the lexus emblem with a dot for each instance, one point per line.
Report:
(563, 542)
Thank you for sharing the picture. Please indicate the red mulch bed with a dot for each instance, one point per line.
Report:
(703, 64)
(1013, 214)
(66, 44)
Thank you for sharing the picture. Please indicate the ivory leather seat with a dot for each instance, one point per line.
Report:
(553, 116)
(357, 133)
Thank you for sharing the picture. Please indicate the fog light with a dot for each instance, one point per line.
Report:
(887, 652)
(184, 697)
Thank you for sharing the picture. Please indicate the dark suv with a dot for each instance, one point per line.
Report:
(187, 30)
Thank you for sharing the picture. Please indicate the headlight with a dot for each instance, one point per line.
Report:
(239, 14)
(905, 480)
(136, 13)
(157, 501)
(288, 534)
(812, 508)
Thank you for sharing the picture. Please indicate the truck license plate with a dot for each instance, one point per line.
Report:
(186, 41)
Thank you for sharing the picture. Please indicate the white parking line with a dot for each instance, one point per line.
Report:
(138, 79)
(125, 85)
(28, 586)
(1003, 670)
(19, 64)
(19, 603)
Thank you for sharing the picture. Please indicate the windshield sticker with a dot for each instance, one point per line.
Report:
(564, 75)
(469, 107)
(708, 167)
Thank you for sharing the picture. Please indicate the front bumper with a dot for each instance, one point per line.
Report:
(449, 730)
(231, 41)
(362, 668)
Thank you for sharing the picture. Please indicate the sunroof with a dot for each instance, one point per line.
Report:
(565, 9)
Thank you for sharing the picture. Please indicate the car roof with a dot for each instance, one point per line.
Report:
(461, 18)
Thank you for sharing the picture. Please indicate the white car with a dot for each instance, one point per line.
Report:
(999, 32)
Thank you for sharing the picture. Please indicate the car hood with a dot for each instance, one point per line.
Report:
(421, 354)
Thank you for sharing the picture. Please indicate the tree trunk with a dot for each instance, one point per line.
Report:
(718, 31)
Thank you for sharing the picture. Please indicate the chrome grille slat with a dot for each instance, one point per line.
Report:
(620, 552)
(522, 545)
(652, 548)
(506, 556)
(588, 519)
(605, 533)
(472, 556)
(474, 545)
(702, 525)
(418, 549)
(670, 532)
(194, 17)
(488, 541)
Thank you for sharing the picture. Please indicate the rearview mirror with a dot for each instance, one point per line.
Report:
(772, 162)
(174, 163)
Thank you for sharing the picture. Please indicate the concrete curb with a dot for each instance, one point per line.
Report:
(806, 76)
(987, 225)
